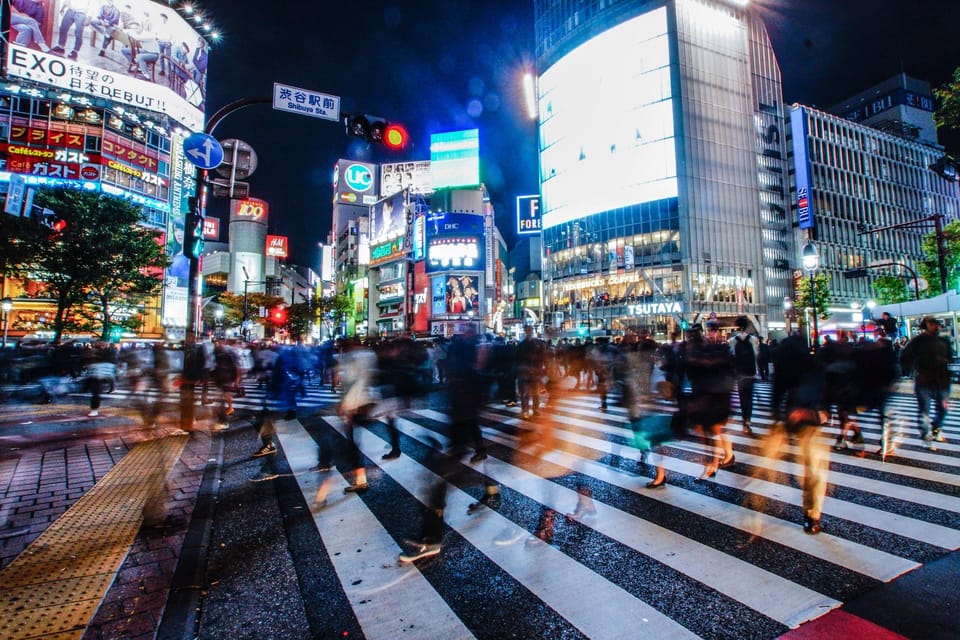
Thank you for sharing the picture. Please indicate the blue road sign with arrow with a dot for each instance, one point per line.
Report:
(203, 150)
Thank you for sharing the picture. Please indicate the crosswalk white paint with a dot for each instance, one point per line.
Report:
(389, 600)
(377, 587)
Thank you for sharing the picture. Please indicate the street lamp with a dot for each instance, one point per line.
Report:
(218, 314)
(7, 306)
(788, 312)
(811, 261)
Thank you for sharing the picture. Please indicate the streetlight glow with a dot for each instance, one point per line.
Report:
(810, 257)
(529, 95)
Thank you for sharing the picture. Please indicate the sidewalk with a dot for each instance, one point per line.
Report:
(41, 480)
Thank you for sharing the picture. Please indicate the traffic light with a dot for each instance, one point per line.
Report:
(684, 325)
(377, 130)
(193, 235)
(279, 315)
(52, 221)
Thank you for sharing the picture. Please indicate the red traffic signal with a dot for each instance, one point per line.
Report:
(376, 130)
(395, 137)
(279, 315)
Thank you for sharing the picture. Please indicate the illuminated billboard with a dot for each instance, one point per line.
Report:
(249, 210)
(277, 247)
(454, 252)
(136, 52)
(441, 223)
(606, 123)
(455, 295)
(388, 219)
(528, 215)
(52, 140)
(455, 159)
(354, 182)
(397, 176)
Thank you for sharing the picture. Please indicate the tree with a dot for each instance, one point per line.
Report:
(103, 258)
(334, 310)
(233, 305)
(948, 102)
(928, 268)
(890, 289)
(301, 318)
(821, 288)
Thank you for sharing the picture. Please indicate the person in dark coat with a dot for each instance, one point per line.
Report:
(928, 356)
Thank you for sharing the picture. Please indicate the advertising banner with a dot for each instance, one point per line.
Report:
(140, 53)
(249, 210)
(73, 142)
(354, 182)
(801, 161)
(454, 252)
(388, 219)
(456, 295)
(419, 239)
(528, 215)
(277, 247)
(178, 273)
(211, 228)
(421, 298)
(413, 176)
(440, 223)
(386, 252)
(455, 159)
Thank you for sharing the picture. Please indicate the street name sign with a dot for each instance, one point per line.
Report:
(306, 102)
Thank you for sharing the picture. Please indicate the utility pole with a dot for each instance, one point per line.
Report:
(937, 220)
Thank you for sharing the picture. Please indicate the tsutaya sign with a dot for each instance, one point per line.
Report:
(654, 308)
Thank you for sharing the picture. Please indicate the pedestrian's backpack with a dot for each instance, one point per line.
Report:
(743, 356)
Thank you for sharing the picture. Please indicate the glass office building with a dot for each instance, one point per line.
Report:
(662, 165)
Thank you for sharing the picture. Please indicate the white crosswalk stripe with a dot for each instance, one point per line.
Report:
(735, 540)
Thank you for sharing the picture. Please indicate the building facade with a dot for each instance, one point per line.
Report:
(86, 118)
(862, 184)
(663, 164)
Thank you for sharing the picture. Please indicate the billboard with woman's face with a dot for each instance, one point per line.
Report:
(456, 295)
(134, 52)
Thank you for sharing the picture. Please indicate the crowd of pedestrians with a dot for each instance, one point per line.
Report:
(693, 387)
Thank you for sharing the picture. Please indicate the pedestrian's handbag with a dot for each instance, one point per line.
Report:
(652, 430)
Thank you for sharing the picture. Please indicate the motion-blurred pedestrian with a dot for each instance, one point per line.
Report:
(927, 356)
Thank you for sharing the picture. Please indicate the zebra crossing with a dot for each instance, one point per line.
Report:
(723, 558)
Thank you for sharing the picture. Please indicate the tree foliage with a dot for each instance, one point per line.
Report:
(928, 268)
(947, 114)
(104, 260)
(334, 310)
(821, 288)
(890, 289)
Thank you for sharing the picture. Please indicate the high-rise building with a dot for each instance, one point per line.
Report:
(663, 165)
(872, 196)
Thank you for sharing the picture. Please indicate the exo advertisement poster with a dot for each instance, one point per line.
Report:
(136, 52)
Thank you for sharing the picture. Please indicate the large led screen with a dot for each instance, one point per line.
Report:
(455, 159)
(606, 123)
(134, 52)
(456, 294)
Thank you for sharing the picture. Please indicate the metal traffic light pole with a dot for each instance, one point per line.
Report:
(199, 204)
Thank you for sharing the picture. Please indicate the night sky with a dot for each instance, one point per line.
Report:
(441, 66)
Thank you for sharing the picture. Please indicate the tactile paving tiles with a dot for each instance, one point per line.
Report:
(54, 587)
